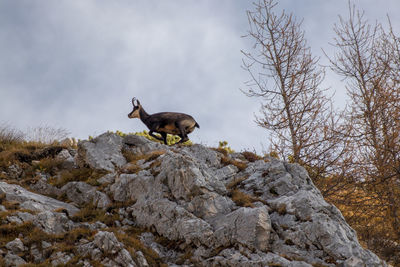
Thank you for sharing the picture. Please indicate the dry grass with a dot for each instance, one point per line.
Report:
(131, 168)
(89, 213)
(133, 158)
(62, 242)
(46, 134)
(132, 242)
(242, 199)
(250, 156)
(236, 182)
(83, 174)
(10, 231)
(226, 160)
(221, 150)
(9, 137)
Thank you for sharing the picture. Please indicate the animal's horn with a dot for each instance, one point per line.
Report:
(133, 101)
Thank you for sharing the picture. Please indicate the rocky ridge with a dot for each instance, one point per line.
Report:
(174, 206)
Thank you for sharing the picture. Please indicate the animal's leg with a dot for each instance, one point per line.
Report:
(182, 134)
(164, 137)
(151, 133)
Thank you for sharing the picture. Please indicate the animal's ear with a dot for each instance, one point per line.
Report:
(138, 102)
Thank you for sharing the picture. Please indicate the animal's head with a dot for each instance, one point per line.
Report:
(135, 112)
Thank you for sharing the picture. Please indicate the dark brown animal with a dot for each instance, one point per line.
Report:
(164, 122)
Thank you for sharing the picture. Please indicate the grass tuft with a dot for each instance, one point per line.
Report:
(91, 214)
(250, 156)
(226, 160)
(242, 199)
(83, 174)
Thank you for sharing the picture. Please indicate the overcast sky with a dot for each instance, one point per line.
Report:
(76, 64)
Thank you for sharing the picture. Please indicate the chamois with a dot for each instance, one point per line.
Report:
(165, 122)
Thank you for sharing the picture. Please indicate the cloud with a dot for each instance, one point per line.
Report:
(77, 64)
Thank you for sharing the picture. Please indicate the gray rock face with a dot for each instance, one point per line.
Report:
(248, 226)
(172, 221)
(42, 187)
(103, 152)
(53, 222)
(106, 243)
(186, 201)
(12, 260)
(68, 160)
(15, 171)
(32, 201)
(141, 145)
(194, 208)
(81, 193)
(59, 258)
(20, 217)
(16, 246)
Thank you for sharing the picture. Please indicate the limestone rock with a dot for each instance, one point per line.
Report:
(82, 193)
(59, 258)
(42, 187)
(53, 222)
(172, 221)
(135, 186)
(142, 262)
(68, 161)
(183, 201)
(102, 153)
(247, 226)
(108, 249)
(12, 260)
(16, 246)
(20, 217)
(68, 142)
(210, 205)
(14, 171)
(204, 155)
(141, 145)
(32, 201)
(187, 178)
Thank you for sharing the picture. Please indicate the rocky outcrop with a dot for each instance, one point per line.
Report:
(103, 152)
(183, 206)
(32, 201)
(82, 193)
(106, 243)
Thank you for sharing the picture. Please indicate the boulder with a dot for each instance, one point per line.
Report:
(82, 193)
(102, 152)
(141, 145)
(172, 221)
(53, 222)
(32, 201)
(12, 260)
(16, 246)
(68, 161)
(106, 248)
(248, 226)
(14, 171)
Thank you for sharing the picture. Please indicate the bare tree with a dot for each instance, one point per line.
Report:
(368, 58)
(287, 78)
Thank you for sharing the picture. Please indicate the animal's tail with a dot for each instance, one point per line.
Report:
(197, 125)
